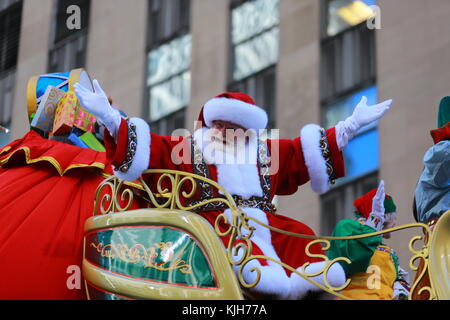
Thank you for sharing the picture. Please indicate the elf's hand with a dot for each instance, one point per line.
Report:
(376, 217)
(362, 116)
(401, 290)
(97, 103)
(401, 285)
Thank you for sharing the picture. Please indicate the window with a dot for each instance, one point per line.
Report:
(347, 48)
(168, 19)
(68, 48)
(254, 51)
(348, 72)
(168, 61)
(10, 23)
(348, 62)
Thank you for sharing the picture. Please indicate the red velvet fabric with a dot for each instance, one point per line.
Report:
(46, 193)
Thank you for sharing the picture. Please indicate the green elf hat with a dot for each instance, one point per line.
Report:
(363, 204)
(443, 130)
(444, 112)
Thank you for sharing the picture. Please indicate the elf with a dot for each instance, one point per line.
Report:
(374, 270)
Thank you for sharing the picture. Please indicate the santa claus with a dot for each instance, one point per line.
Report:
(253, 172)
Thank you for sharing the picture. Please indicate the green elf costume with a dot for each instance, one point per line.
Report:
(374, 270)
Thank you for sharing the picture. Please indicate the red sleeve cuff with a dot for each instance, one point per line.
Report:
(336, 155)
(116, 152)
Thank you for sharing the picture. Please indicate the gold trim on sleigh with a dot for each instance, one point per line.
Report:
(239, 228)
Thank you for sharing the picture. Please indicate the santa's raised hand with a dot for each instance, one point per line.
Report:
(97, 103)
(362, 116)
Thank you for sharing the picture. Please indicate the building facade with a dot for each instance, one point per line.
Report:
(304, 61)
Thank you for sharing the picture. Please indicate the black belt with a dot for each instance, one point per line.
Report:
(253, 202)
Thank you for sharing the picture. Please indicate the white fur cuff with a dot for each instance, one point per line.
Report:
(317, 169)
(142, 156)
(335, 277)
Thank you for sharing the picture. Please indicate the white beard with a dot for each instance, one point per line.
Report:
(237, 168)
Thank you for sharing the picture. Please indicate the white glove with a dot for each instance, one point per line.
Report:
(376, 217)
(362, 116)
(97, 103)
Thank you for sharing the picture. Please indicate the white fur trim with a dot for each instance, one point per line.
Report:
(335, 276)
(261, 236)
(142, 156)
(317, 169)
(263, 239)
(236, 111)
(273, 281)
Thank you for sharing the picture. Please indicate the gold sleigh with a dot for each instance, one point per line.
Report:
(169, 252)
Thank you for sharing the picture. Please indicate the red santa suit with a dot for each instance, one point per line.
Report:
(274, 167)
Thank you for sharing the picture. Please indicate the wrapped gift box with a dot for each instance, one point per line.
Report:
(45, 113)
(91, 141)
(77, 140)
(65, 114)
(84, 120)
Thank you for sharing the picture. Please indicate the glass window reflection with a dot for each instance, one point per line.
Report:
(252, 18)
(169, 59)
(256, 54)
(169, 96)
(361, 156)
(343, 14)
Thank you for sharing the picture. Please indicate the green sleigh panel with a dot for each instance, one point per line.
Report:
(155, 254)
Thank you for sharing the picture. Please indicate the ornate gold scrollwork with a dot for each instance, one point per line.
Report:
(165, 196)
(138, 252)
(116, 187)
(172, 186)
(421, 253)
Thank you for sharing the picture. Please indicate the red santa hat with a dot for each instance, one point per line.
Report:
(234, 107)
